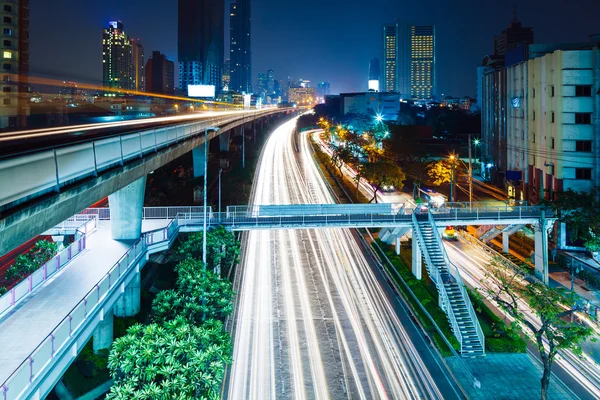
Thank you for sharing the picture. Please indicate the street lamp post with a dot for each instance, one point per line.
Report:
(205, 214)
(452, 174)
(220, 173)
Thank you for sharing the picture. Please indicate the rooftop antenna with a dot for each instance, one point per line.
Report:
(515, 18)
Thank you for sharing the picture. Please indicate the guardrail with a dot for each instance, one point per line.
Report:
(11, 298)
(55, 343)
(150, 212)
(456, 274)
(489, 212)
(50, 170)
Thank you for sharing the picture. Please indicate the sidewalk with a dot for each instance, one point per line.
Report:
(507, 376)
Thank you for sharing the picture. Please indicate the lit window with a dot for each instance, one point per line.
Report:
(7, 54)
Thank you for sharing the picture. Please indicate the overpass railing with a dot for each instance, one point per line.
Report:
(56, 343)
(86, 225)
(149, 212)
(52, 169)
(488, 212)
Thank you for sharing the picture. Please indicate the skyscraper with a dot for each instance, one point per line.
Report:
(226, 73)
(409, 60)
(423, 80)
(240, 48)
(200, 42)
(374, 75)
(139, 66)
(117, 58)
(390, 58)
(14, 97)
(270, 81)
(160, 74)
(323, 89)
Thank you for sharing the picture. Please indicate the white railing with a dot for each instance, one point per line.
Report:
(435, 276)
(453, 270)
(50, 170)
(56, 342)
(481, 230)
(50, 268)
(150, 212)
(487, 211)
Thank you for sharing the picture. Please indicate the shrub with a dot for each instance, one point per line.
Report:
(505, 345)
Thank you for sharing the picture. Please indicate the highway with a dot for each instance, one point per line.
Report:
(314, 320)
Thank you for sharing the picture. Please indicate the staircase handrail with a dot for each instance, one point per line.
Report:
(453, 269)
(437, 279)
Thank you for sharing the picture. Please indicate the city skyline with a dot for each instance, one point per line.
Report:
(456, 74)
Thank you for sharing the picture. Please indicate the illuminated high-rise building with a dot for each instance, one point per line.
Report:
(390, 58)
(14, 97)
(139, 65)
(409, 66)
(270, 81)
(160, 74)
(117, 58)
(200, 43)
(240, 46)
(374, 75)
(423, 80)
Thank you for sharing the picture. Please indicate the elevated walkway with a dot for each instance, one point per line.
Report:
(453, 297)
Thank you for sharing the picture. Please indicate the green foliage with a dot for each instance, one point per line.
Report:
(553, 307)
(505, 345)
(175, 360)
(222, 249)
(383, 173)
(439, 172)
(31, 261)
(3, 290)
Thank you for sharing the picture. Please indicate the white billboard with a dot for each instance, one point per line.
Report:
(247, 100)
(201, 91)
(374, 85)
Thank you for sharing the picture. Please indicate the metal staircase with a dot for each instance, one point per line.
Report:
(453, 297)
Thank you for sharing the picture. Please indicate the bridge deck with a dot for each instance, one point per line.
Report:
(32, 320)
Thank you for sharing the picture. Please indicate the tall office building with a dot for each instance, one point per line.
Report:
(14, 97)
(117, 58)
(423, 80)
(160, 74)
(200, 43)
(323, 89)
(226, 74)
(240, 48)
(390, 58)
(374, 75)
(139, 65)
(512, 36)
(409, 66)
(261, 84)
(270, 81)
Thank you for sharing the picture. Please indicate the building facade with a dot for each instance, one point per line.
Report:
(553, 123)
(240, 47)
(200, 43)
(374, 75)
(139, 66)
(409, 66)
(14, 97)
(160, 74)
(323, 89)
(117, 58)
(302, 96)
(371, 103)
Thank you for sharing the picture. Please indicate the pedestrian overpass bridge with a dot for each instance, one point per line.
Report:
(71, 299)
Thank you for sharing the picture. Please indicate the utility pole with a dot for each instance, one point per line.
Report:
(243, 142)
(220, 172)
(205, 197)
(470, 177)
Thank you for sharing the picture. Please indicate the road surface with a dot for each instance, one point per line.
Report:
(313, 320)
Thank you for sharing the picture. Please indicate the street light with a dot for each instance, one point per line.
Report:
(452, 158)
(379, 118)
(206, 130)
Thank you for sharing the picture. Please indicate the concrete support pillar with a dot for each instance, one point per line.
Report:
(541, 253)
(562, 235)
(398, 245)
(103, 336)
(198, 158)
(224, 141)
(417, 258)
(128, 304)
(60, 240)
(505, 242)
(61, 392)
(126, 210)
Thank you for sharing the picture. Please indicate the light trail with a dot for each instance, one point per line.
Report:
(313, 320)
(470, 259)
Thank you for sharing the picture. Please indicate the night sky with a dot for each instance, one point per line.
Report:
(330, 40)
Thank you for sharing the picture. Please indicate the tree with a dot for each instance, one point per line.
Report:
(221, 248)
(580, 211)
(341, 154)
(554, 308)
(439, 172)
(174, 360)
(199, 295)
(383, 173)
